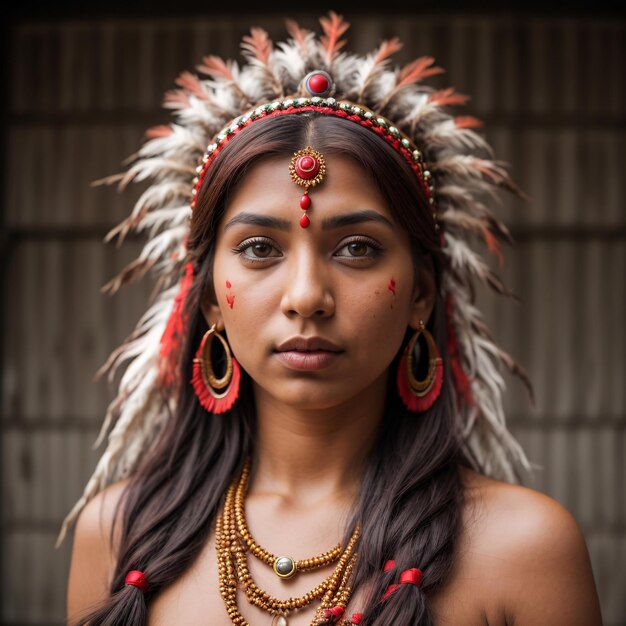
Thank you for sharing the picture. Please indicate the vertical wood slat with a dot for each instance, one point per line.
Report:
(547, 75)
(61, 328)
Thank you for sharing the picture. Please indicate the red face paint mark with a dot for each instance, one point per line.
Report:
(229, 297)
(392, 285)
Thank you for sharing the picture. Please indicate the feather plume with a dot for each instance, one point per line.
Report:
(192, 84)
(257, 46)
(448, 96)
(217, 68)
(370, 69)
(334, 26)
(298, 34)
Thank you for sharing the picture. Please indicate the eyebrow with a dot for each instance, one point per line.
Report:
(328, 223)
(256, 219)
(357, 217)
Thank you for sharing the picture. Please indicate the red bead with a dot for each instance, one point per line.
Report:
(305, 221)
(305, 202)
(318, 83)
(137, 579)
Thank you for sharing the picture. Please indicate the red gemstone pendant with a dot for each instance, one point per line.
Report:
(305, 221)
(305, 202)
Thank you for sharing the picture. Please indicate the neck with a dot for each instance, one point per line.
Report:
(315, 454)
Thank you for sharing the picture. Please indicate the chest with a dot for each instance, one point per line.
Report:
(194, 599)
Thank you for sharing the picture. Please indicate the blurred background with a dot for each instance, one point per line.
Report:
(83, 83)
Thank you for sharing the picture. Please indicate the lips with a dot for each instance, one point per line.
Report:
(308, 353)
(308, 344)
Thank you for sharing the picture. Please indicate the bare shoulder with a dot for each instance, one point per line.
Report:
(533, 551)
(93, 553)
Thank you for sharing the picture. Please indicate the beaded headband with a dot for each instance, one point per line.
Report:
(319, 85)
(326, 106)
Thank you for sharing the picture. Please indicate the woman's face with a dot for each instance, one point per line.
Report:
(314, 315)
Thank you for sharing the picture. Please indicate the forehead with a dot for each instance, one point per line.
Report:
(268, 187)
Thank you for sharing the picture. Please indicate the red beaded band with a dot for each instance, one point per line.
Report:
(137, 579)
(327, 106)
(411, 576)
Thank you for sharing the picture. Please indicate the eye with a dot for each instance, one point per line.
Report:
(358, 248)
(256, 249)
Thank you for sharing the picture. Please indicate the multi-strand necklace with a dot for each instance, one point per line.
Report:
(233, 543)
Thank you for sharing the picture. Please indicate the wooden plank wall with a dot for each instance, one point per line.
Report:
(553, 95)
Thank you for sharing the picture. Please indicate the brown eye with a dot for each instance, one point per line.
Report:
(357, 248)
(261, 249)
(256, 250)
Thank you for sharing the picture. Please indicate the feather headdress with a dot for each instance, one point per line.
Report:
(456, 159)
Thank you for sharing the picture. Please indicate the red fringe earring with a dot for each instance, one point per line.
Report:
(420, 395)
(207, 386)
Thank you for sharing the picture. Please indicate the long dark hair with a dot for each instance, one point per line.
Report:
(411, 495)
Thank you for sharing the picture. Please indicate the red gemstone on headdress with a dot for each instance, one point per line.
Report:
(305, 202)
(307, 167)
(305, 221)
(318, 83)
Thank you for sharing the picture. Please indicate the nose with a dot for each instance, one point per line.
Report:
(307, 291)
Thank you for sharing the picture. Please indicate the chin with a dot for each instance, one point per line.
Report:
(308, 395)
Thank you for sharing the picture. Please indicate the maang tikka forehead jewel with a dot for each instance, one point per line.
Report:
(307, 168)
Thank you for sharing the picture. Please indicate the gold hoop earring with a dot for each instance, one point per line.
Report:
(206, 384)
(420, 395)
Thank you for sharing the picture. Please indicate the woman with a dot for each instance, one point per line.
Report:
(310, 430)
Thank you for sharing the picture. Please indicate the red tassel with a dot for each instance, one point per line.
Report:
(209, 399)
(418, 404)
(336, 613)
(170, 339)
(461, 381)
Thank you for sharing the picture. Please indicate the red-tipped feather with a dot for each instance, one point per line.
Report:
(159, 131)
(297, 33)
(192, 84)
(467, 121)
(447, 96)
(176, 99)
(387, 48)
(493, 245)
(258, 44)
(216, 67)
(334, 26)
(416, 70)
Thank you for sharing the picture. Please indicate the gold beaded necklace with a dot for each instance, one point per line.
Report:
(283, 566)
(232, 546)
